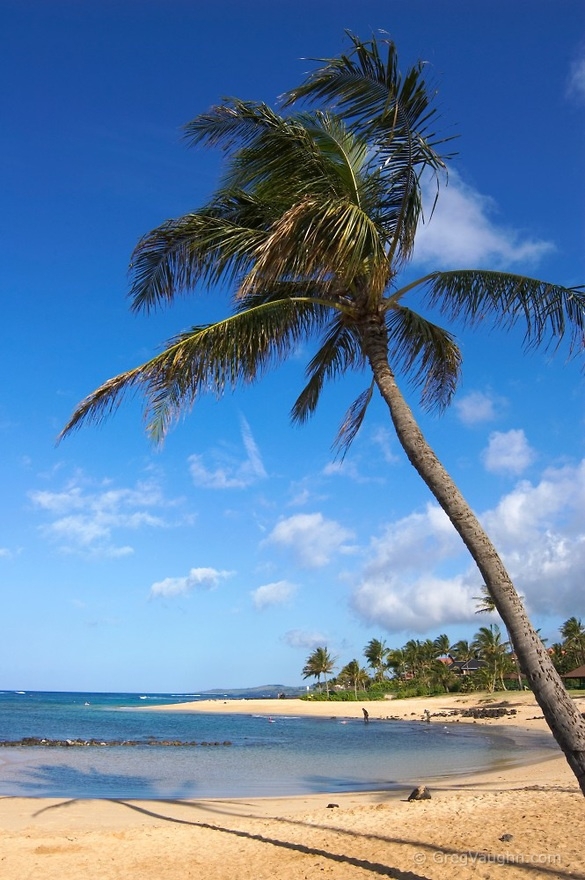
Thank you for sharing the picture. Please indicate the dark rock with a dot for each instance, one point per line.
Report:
(332, 806)
(421, 793)
(506, 837)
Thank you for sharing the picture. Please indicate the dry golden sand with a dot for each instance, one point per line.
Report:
(457, 834)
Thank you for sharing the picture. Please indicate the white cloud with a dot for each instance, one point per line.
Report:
(308, 641)
(419, 577)
(475, 408)
(85, 517)
(417, 605)
(277, 593)
(313, 539)
(198, 578)
(5, 553)
(401, 588)
(508, 453)
(540, 532)
(462, 234)
(577, 79)
(227, 471)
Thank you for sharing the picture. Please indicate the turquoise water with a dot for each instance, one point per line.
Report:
(266, 757)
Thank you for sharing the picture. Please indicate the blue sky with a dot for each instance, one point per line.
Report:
(224, 558)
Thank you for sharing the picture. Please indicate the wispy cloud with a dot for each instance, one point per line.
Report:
(227, 471)
(462, 233)
(508, 453)
(197, 579)
(277, 593)
(385, 440)
(343, 468)
(86, 516)
(477, 407)
(313, 539)
(308, 641)
(576, 85)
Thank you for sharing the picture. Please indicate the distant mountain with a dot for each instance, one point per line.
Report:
(265, 691)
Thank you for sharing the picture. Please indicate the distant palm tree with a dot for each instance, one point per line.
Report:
(573, 633)
(419, 657)
(462, 650)
(376, 653)
(442, 674)
(354, 676)
(396, 660)
(313, 226)
(442, 645)
(488, 606)
(319, 663)
(490, 648)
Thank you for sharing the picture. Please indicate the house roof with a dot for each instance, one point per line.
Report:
(579, 672)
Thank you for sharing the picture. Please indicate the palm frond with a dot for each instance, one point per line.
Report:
(231, 125)
(208, 359)
(426, 353)
(372, 94)
(339, 351)
(550, 313)
(321, 239)
(201, 248)
(352, 422)
(394, 114)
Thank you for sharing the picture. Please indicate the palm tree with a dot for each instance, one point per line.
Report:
(442, 645)
(487, 605)
(312, 225)
(443, 675)
(397, 661)
(419, 657)
(573, 633)
(462, 650)
(490, 648)
(319, 663)
(354, 675)
(376, 653)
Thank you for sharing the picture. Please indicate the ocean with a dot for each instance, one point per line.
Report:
(225, 756)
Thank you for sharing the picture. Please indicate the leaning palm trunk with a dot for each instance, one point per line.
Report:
(559, 710)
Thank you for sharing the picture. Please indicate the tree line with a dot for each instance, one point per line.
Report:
(486, 663)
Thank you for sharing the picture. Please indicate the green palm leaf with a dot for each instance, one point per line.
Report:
(202, 360)
(352, 421)
(427, 355)
(548, 312)
(339, 352)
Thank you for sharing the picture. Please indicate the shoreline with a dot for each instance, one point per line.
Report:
(521, 709)
(509, 822)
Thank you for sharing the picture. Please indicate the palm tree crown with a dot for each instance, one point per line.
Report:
(376, 653)
(319, 663)
(314, 219)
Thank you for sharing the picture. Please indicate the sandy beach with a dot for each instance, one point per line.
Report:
(525, 822)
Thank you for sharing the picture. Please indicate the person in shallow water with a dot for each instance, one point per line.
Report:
(366, 716)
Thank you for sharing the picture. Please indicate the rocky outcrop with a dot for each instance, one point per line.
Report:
(34, 741)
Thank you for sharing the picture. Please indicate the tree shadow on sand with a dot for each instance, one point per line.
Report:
(425, 852)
